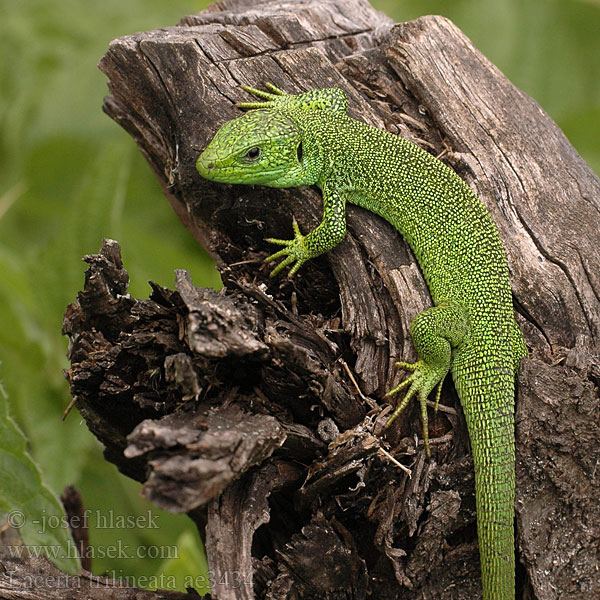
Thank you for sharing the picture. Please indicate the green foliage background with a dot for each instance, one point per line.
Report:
(69, 176)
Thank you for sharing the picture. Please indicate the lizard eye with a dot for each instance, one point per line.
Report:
(253, 153)
(299, 152)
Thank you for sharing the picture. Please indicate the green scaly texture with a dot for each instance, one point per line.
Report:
(305, 139)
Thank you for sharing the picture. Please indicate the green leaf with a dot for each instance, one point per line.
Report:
(29, 505)
(189, 568)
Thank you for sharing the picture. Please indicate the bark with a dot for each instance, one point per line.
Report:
(258, 410)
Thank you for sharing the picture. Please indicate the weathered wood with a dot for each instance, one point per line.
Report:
(224, 403)
(558, 518)
(73, 504)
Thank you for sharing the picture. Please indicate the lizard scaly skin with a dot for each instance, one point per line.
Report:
(306, 139)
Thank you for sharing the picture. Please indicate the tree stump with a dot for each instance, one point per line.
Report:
(258, 410)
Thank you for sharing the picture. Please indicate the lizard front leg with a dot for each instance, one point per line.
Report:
(435, 332)
(323, 238)
(332, 99)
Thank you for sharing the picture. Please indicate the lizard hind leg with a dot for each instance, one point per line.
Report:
(435, 332)
(420, 384)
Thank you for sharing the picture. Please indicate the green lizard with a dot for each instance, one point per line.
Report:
(305, 139)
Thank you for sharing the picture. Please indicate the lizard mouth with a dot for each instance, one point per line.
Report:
(210, 169)
(206, 167)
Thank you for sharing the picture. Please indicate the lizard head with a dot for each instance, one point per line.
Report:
(261, 147)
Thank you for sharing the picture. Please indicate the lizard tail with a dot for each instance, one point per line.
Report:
(488, 402)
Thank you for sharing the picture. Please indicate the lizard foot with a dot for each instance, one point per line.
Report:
(421, 382)
(295, 251)
(270, 97)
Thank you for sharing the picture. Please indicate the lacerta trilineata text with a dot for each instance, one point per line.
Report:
(305, 139)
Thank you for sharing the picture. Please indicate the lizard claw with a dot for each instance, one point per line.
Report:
(420, 383)
(294, 251)
(271, 96)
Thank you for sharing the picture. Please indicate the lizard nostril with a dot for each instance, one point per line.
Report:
(210, 165)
